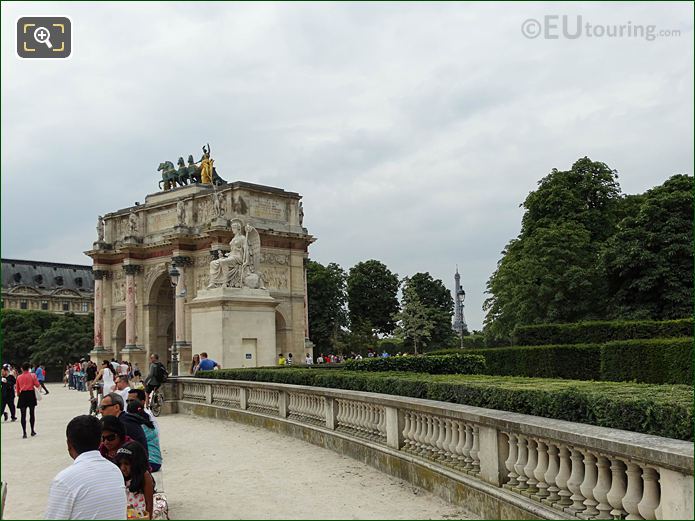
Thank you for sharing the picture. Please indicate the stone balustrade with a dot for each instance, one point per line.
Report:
(547, 468)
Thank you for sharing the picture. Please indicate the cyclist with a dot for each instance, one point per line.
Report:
(154, 376)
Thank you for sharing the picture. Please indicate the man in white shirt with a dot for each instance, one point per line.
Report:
(92, 487)
(123, 387)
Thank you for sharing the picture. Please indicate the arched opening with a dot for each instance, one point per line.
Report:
(159, 317)
(120, 337)
(281, 333)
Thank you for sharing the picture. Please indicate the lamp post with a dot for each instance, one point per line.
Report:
(174, 276)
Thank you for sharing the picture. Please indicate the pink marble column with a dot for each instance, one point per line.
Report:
(130, 318)
(99, 276)
(306, 303)
(180, 309)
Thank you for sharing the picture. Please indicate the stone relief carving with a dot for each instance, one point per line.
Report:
(180, 213)
(275, 258)
(239, 206)
(118, 286)
(133, 223)
(276, 278)
(204, 213)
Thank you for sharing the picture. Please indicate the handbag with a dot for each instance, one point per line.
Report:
(38, 394)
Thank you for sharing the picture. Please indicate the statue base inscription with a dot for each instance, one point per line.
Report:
(235, 326)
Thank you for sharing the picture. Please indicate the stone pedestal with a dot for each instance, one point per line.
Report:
(235, 326)
(135, 355)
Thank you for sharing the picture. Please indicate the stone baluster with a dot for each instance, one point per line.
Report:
(589, 483)
(447, 439)
(574, 483)
(420, 428)
(468, 460)
(521, 460)
(460, 454)
(562, 477)
(511, 460)
(453, 442)
(633, 494)
(602, 487)
(651, 497)
(427, 441)
(381, 424)
(531, 464)
(541, 469)
(618, 488)
(439, 441)
(551, 474)
(475, 450)
(340, 415)
(407, 431)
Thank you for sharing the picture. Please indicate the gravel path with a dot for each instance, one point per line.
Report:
(217, 469)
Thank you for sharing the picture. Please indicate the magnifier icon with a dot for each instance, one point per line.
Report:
(43, 35)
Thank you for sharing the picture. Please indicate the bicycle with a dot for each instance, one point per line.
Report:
(156, 401)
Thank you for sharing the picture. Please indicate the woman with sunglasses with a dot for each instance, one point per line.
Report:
(113, 437)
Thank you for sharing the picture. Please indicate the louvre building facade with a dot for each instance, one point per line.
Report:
(47, 286)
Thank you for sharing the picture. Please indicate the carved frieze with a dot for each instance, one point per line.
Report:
(276, 278)
(281, 259)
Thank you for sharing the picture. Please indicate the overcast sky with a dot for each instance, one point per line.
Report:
(413, 131)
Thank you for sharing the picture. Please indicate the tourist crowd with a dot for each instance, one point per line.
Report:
(115, 456)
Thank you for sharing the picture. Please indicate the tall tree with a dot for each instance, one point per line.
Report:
(415, 320)
(70, 337)
(437, 299)
(326, 298)
(649, 260)
(587, 194)
(372, 297)
(550, 272)
(20, 332)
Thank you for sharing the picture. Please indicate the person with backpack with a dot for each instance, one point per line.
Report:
(156, 376)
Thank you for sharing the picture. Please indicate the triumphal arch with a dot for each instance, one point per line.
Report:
(240, 250)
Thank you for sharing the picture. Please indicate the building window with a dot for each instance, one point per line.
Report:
(85, 307)
(22, 304)
(66, 306)
(44, 305)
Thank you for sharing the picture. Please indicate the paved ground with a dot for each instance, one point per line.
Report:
(220, 470)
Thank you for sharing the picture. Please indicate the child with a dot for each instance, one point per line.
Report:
(132, 460)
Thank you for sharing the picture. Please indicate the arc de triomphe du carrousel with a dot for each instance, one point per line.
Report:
(240, 250)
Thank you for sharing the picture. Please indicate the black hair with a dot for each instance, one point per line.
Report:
(25, 366)
(140, 393)
(135, 454)
(135, 407)
(84, 433)
(113, 424)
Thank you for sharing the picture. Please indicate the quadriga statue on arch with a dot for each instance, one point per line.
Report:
(239, 267)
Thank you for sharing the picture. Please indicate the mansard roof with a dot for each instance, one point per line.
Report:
(47, 276)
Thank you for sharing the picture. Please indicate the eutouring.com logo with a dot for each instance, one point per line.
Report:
(570, 27)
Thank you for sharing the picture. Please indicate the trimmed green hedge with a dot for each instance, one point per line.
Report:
(600, 331)
(656, 361)
(650, 361)
(662, 410)
(450, 364)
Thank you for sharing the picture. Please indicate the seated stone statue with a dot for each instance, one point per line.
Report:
(239, 267)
